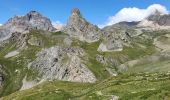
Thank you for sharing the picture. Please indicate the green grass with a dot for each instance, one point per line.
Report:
(49, 38)
(159, 66)
(5, 50)
(13, 79)
(58, 33)
(135, 51)
(90, 49)
(145, 81)
(135, 87)
(15, 69)
(164, 39)
(14, 74)
(10, 70)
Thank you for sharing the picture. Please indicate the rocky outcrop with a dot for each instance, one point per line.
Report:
(114, 39)
(23, 24)
(110, 46)
(29, 84)
(11, 54)
(79, 28)
(101, 59)
(19, 39)
(156, 21)
(162, 20)
(62, 64)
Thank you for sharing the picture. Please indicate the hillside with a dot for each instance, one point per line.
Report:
(128, 60)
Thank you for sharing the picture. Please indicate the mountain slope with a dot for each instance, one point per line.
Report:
(83, 62)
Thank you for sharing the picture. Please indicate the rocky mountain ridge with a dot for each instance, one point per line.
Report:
(32, 51)
(23, 24)
(156, 21)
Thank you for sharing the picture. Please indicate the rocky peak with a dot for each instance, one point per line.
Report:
(157, 12)
(76, 12)
(23, 24)
(79, 28)
(154, 16)
(157, 20)
(33, 14)
(160, 19)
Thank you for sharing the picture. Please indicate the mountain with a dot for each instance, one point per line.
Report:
(125, 24)
(23, 24)
(162, 20)
(79, 28)
(115, 37)
(127, 60)
(157, 20)
(32, 44)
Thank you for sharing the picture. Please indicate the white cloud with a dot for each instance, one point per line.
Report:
(134, 14)
(0, 24)
(58, 25)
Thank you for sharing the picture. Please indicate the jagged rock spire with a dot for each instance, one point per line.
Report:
(157, 12)
(159, 18)
(33, 14)
(76, 11)
(79, 28)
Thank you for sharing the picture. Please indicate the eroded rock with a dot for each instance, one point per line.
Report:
(23, 24)
(79, 28)
(62, 64)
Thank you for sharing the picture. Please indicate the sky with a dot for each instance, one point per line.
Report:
(98, 12)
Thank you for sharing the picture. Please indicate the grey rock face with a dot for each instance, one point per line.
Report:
(79, 28)
(17, 39)
(20, 39)
(114, 39)
(162, 20)
(11, 54)
(23, 24)
(101, 59)
(62, 64)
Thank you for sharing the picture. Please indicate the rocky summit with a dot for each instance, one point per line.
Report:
(126, 60)
(156, 20)
(23, 24)
(160, 19)
(79, 28)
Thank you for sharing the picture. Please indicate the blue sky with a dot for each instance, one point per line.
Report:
(95, 11)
